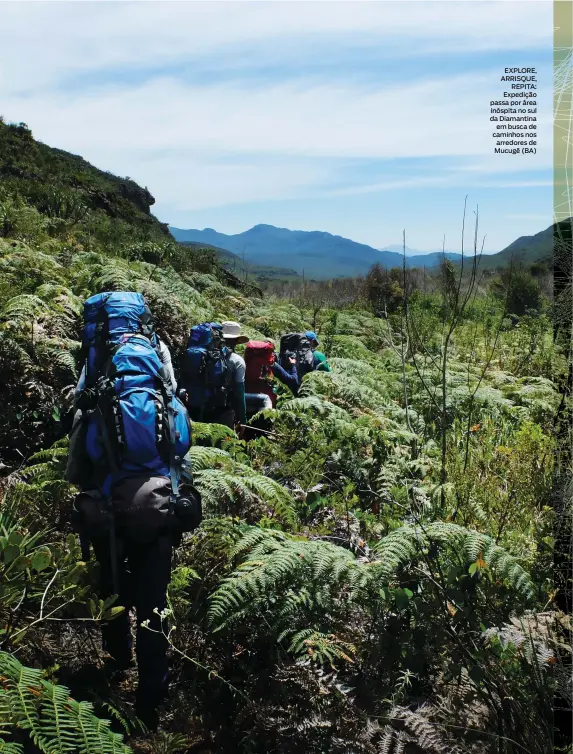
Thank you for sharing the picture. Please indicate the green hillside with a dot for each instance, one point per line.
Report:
(63, 186)
(525, 250)
(235, 264)
(373, 574)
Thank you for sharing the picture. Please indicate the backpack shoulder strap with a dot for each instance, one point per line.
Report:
(175, 462)
(100, 340)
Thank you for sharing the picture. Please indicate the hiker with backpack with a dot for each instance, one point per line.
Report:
(287, 374)
(259, 363)
(127, 446)
(213, 375)
(295, 360)
(260, 391)
(320, 364)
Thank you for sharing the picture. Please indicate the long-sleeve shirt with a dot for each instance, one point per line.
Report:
(320, 362)
(165, 356)
(238, 370)
(287, 377)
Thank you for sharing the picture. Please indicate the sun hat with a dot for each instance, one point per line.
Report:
(232, 331)
(311, 335)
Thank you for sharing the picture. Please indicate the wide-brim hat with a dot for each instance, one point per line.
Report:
(232, 331)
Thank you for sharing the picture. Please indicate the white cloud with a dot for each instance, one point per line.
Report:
(43, 41)
(446, 116)
(209, 146)
(188, 181)
(238, 141)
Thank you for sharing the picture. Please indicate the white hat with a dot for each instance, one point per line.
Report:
(232, 331)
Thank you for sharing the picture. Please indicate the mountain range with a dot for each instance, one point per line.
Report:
(320, 255)
(399, 249)
(48, 177)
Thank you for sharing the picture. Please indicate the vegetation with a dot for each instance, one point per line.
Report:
(372, 575)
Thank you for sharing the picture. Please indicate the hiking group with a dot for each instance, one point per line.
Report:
(130, 436)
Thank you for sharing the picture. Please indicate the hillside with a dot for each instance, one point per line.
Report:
(398, 249)
(318, 254)
(235, 264)
(524, 250)
(60, 184)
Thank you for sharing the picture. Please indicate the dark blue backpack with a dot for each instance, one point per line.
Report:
(135, 425)
(206, 376)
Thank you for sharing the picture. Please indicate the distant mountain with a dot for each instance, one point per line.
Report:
(321, 255)
(524, 250)
(234, 264)
(397, 247)
(317, 254)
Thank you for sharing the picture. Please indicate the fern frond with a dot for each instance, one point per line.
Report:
(10, 748)
(22, 309)
(428, 736)
(204, 457)
(239, 485)
(56, 723)
(113, 277)
(401, 545)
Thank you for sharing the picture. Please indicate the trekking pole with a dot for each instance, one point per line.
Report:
(256, 429)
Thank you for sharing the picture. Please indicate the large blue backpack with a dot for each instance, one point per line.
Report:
(206, 377)
(135, 425)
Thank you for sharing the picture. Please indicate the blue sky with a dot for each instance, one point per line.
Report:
(361, 118)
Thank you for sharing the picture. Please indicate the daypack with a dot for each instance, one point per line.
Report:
(133, 423)
(299, 345)
(206, 376)
(259, 360)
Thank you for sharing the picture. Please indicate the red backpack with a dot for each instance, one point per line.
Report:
(259, 359)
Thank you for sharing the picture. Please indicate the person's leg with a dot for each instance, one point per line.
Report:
(256, 402)
(116, 633)
(151, 570)
(195, 414)
(226, 417)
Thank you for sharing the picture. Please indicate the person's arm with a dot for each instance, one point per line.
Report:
(320, 362)
(239, 403)
(165, 356)
(79, 387)
(290, 378)
(238, 392)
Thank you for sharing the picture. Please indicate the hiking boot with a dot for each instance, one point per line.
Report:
(147, 714)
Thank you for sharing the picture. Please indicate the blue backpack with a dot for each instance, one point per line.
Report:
(206, 377)
(135, 425)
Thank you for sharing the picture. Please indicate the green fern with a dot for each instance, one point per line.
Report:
(113, 277)
(22, 310)
(55, 723)
(222, 480)
(319, 647)
(274, 563)
(395, 550)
